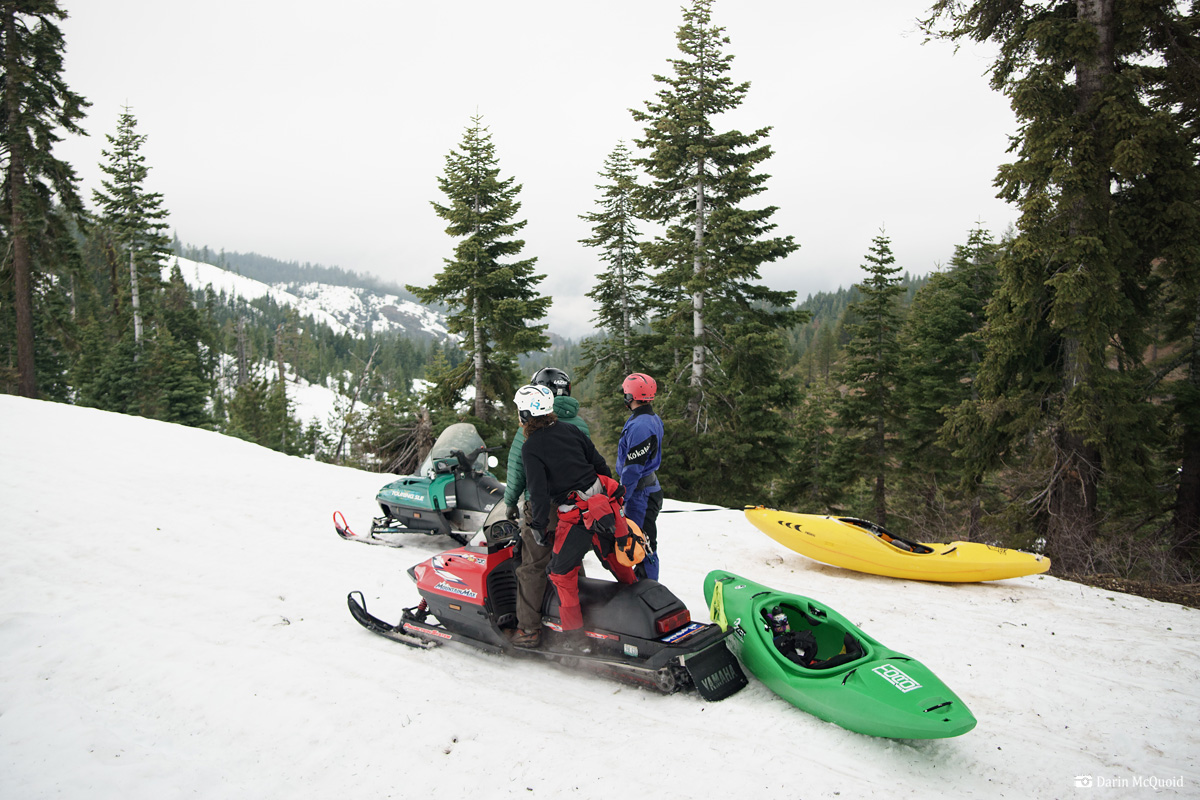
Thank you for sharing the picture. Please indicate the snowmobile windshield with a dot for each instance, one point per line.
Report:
(459, 436)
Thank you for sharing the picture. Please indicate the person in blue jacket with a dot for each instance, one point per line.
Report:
(639, 454)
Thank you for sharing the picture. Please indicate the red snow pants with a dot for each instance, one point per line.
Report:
(571, 543)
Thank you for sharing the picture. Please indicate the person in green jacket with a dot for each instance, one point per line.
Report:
(535, 555)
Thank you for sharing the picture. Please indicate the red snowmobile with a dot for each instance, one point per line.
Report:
(639, 633)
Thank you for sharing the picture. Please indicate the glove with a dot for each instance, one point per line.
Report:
(513, 513)
(618, 493)
(539, 536)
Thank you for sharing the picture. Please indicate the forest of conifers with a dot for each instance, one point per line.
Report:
(1042, 390)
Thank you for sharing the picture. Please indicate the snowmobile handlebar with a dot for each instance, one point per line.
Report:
(467, 462)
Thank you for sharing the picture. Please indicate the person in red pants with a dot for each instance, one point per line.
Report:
(563, 469)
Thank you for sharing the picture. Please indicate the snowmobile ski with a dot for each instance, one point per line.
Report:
(358, 610)
(378, 534)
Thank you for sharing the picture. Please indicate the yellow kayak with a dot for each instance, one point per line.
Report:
(866, 547)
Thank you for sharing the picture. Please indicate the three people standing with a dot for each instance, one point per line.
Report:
(554, 465)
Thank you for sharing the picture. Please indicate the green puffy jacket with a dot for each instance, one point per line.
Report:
(567, 409)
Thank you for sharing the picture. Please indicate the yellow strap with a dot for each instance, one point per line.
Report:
(716, 609)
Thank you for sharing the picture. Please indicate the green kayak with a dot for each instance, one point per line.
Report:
(832, 669)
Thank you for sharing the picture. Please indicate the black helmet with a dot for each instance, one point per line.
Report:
(553, 379)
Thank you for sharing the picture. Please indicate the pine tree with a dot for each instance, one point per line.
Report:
(816, 475)
(870, 410)
(1064, 378)
(621, 293)
(187, 340)
(494, 301)
(160, 352)
(261, 412)
(133, 217)
(34, 103)
(942, 345)
(713, 323)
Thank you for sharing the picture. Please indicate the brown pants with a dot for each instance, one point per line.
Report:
(531, 575)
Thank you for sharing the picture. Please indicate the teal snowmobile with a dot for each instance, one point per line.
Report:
(450, 494)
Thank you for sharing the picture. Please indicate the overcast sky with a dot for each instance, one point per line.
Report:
(308, 134)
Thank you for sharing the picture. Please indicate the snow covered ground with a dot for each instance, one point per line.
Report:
(173, 624)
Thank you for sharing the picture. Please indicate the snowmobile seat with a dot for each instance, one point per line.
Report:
(631, 608)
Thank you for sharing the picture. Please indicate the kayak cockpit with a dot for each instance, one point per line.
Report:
(805, 639)
(887, 537)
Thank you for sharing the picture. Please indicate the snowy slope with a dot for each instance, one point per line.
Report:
(173, 624)
(342, 308)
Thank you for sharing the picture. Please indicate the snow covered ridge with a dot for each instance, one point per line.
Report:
(345, 309)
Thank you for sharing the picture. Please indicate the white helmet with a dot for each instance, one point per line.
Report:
(533, 401)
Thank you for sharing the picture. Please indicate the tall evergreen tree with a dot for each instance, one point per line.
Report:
(132, 216)
(493, 301)
(870, 411)
(1067, 330)
(34, 103)
(713, 322)
(620, 292)
(155, 354)
(942, 347)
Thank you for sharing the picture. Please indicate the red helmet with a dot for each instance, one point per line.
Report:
(639, 386)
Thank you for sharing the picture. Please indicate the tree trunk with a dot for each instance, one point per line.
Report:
(134, 302)
(698, 365)
(279, 354)
(622, 281)
(880, 479)
(337, 456)
(114, 285)
(480, 404)
(22, 260)
(1072, 525)
(243, 362)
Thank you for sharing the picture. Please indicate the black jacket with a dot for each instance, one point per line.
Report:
(558, 460)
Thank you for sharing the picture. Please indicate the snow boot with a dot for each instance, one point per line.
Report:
(528, 640)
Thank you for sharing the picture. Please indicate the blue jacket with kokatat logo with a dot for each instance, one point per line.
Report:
(639, 454)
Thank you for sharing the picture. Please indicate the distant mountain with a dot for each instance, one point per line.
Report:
(352, 309)
(273, 271)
